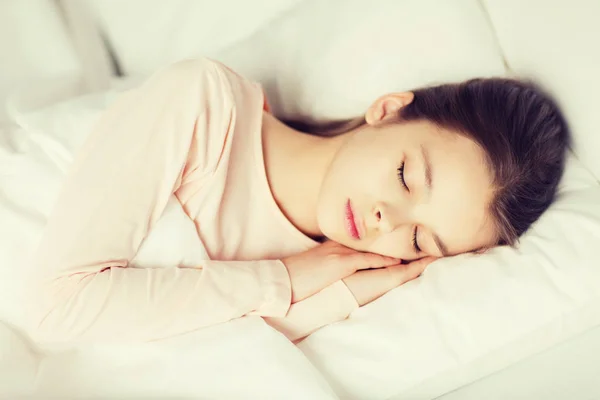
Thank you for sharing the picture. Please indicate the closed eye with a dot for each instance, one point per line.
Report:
(401, 176)
(414, 242)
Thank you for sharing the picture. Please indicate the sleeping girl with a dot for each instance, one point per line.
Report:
(302, 223)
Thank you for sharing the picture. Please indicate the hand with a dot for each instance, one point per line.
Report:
(367, 286)
(321, 266)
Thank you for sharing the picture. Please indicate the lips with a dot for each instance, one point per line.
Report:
(350, 220)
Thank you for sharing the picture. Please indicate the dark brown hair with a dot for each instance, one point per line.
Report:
(518, 125)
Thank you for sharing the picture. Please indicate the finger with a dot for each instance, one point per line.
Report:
(371, 260)
(424, 262)
(367, 286)
(403, 273)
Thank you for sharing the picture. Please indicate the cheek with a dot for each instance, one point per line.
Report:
(391, 245)
(330, 209)
(323, 215)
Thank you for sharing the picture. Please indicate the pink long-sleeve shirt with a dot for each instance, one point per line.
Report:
(193, 130)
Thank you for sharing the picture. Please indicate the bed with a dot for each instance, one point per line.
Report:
(515, 323)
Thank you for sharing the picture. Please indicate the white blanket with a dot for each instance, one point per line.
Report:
(241, 359)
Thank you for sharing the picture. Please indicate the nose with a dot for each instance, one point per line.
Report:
(383, 219)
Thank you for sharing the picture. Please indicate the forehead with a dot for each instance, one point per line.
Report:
(458, 209)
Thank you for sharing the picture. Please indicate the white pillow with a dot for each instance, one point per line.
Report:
(145, 35)
(557, 43)
(323, 59)
(331, 59)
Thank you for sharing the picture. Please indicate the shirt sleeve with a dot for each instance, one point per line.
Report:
(332, 304)
(152, 141)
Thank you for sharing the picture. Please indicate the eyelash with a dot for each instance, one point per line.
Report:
(414, 241)
(401, 176)
(401, 179)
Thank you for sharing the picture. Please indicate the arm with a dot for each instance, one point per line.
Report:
(337, 301)
(153, 141)
(332, 304)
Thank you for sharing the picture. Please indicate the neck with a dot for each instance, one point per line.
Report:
(296, 164)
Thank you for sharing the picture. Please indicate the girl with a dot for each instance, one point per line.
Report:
(300, 229)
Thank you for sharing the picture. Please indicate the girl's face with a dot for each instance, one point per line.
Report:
(407, 190)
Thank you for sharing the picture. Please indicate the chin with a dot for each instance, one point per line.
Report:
(342, 238)
(331, 232)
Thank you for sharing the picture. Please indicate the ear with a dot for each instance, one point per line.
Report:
(387, 107)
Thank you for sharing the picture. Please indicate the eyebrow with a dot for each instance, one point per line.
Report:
(428, 179)
(427, 166)
(441, 245)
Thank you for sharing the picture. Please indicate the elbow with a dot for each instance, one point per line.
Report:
(52, 310)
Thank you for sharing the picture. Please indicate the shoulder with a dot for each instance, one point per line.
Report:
(207, 76)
